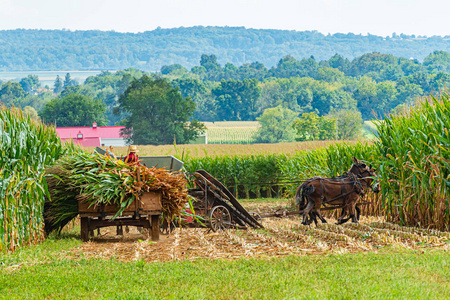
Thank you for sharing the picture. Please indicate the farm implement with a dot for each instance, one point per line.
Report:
(218, 206)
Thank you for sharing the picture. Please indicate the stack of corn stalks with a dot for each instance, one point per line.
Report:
(98, 179)
(27, 147)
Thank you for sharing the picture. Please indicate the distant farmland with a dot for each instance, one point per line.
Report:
(231, 132)
(196, 151)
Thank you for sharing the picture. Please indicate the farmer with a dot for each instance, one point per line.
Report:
(132, 157)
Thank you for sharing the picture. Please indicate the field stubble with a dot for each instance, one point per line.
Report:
(280, 237)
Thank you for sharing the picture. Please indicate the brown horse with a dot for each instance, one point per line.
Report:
(338, 192)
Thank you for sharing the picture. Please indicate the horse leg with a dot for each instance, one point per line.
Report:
(358, 212)
(340, 220)
(312, 216)
(354, 213)
(306, 211)
(319, 214)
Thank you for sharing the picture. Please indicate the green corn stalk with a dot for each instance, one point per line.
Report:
(27, 147)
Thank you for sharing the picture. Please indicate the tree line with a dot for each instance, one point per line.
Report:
(320, 98)
(22, 49)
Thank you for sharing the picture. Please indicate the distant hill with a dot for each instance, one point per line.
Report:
(34, 50)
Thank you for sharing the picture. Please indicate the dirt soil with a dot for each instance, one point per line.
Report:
(281, 236)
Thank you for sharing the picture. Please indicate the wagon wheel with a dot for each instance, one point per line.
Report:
(256, 216)
(220, 218)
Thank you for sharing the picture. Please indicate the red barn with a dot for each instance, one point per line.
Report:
(95, 136)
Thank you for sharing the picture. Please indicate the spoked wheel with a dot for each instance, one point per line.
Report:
(256, 216)
(220, 218)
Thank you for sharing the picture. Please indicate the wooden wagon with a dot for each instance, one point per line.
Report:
(143, 213)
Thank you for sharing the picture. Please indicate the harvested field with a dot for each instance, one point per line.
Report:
(281, 236)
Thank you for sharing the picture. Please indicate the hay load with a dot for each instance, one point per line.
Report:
(98, 179)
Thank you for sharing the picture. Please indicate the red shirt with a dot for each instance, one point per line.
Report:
(131, 158)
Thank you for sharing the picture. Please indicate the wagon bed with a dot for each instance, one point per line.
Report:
(143, 212)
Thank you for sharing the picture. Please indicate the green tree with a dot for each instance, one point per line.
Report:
(366, 96)
(349, 124)
(157, 113)
(30, 111)
(276, 125)
(252, 70)
(339, 62)
(311, 127)
(440, 82)
(58, 86)
(68, 81)
(229, 71)
(438, 61)
(10, 92)
(330, 75)
(205, 104)
(30, 83)
(175, 69)
(289, 67)
(74, 110)
(212, 67)
(236, 99)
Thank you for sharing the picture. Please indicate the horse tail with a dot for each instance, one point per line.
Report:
(302, 194)
(298, 195)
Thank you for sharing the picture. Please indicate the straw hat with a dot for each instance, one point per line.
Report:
(132, 148)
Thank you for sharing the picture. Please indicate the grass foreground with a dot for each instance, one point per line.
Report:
(43, 271)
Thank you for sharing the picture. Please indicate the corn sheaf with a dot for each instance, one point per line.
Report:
(98, 179)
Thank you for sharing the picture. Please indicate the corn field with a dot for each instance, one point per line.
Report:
(244, 135)
(26, 148)
(411, 155)
(231, 132)
(414, 149)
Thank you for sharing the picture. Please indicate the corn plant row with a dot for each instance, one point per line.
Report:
(280, 174)
(26, 148)
(415, 169)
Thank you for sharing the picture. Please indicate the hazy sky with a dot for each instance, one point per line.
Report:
(381, 17)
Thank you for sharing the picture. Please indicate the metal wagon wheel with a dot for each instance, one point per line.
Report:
(256, 216)
(220, 218)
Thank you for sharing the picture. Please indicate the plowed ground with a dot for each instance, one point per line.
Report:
(281, 236)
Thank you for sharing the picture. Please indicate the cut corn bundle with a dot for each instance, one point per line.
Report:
(98, 179)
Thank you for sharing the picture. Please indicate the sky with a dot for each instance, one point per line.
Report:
(381, 17)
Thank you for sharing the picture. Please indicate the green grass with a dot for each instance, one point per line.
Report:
(388, 274)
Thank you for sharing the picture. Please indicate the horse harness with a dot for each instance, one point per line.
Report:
(343, 194)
